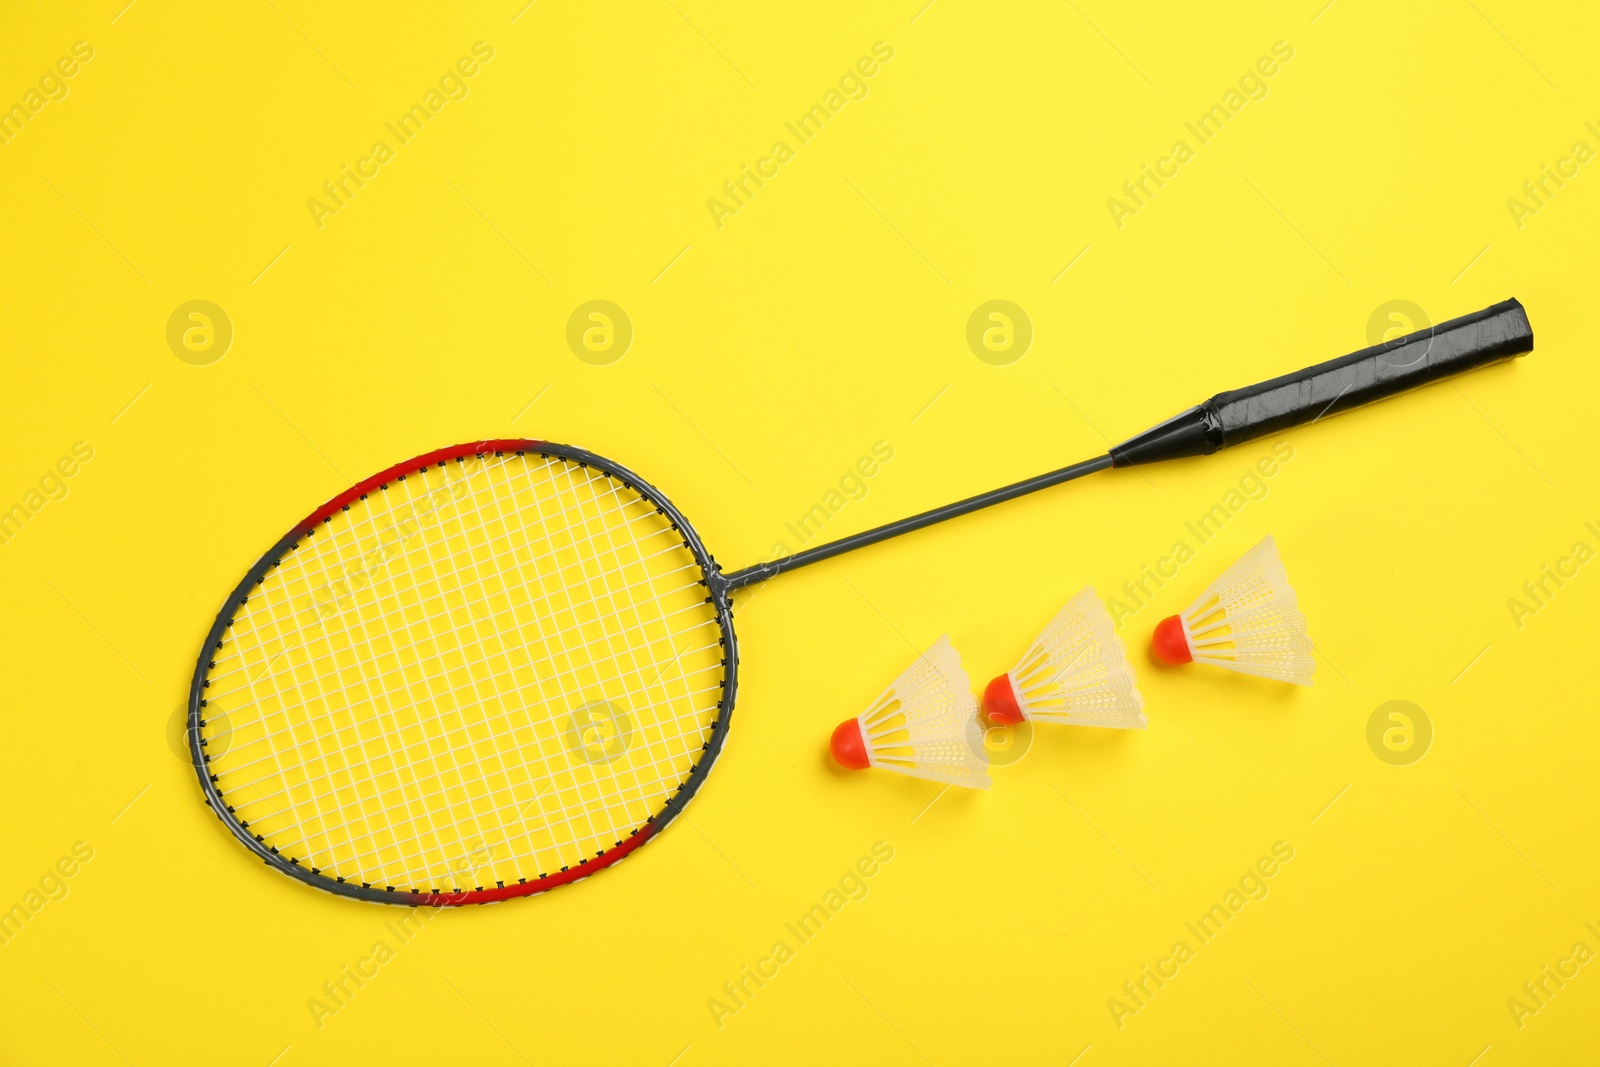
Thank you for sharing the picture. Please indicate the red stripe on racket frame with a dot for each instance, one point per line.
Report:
(549, 881)
(413, 466)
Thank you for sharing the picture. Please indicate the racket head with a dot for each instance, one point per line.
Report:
(251, 729)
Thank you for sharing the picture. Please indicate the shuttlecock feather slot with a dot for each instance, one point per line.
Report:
(1246, 621)
(925, 725)
(1076, 672)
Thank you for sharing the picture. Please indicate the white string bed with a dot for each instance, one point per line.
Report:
(487, 671)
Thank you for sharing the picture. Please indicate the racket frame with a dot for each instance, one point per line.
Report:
(716, 596)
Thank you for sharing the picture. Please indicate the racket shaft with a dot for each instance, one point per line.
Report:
(762, 571)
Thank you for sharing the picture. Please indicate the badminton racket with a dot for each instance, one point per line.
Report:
(504, 666)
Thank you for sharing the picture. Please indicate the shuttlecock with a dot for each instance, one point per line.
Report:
(1246, 621)
(925, 725)
(1075, 672)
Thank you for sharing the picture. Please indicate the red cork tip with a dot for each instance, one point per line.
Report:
(849, 747)
(1169, 641)
(1000, 702)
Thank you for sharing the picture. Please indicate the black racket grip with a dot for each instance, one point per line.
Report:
(1498, 332)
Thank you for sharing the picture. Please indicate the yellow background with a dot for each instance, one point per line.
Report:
(768, 355)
